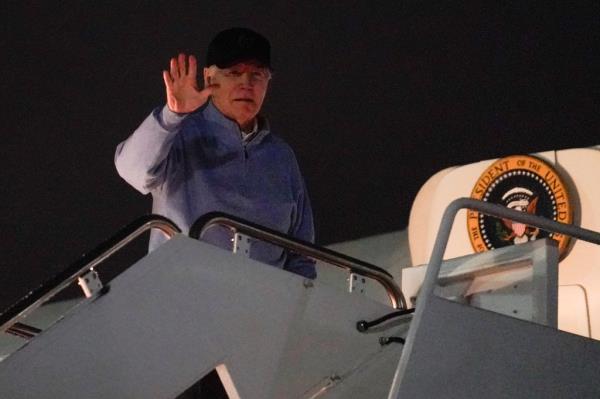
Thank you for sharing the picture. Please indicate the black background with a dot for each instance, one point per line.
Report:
(374, 97)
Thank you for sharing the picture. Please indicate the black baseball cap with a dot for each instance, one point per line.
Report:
(236, 45)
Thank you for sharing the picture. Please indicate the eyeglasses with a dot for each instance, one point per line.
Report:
(257, 74)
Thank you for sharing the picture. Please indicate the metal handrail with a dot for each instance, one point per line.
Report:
(47, 290)
(303, 248)
(437, 255)
(498, 211)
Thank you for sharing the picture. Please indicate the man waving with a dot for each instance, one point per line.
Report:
(210, 150)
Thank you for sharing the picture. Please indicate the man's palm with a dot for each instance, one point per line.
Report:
(183, 94)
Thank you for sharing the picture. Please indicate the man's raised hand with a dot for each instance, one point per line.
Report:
(183, 94)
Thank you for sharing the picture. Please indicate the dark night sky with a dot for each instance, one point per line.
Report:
(374, 97)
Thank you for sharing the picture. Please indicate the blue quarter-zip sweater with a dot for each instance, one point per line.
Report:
(198, 163)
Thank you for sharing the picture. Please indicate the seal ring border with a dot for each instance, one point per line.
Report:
(499, 169)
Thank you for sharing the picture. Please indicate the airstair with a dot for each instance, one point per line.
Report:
(189, 309)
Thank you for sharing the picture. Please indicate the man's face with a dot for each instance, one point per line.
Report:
(241, 92)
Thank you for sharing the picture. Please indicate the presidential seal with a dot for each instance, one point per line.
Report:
(525, 184)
